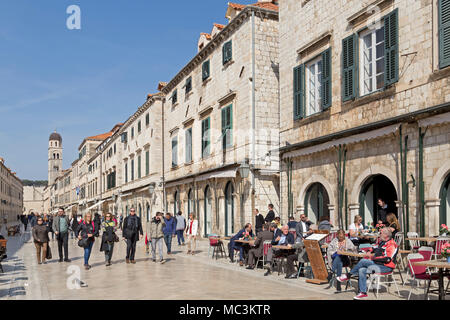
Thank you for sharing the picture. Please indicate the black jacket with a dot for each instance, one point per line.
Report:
(128, 232)
(259, 221)
(270, 216)
(85, 229)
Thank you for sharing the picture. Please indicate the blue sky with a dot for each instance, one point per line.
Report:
(83, 82)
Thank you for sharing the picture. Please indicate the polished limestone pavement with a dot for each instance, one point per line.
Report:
(183, 276)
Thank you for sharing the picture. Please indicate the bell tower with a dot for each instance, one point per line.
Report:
(54, 157)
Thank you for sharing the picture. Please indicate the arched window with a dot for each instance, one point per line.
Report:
(176, 202)
(229, 209)
(190, 202)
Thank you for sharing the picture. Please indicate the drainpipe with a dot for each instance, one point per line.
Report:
(406, 193)
(402, 179)
(421, 183)
(253, 110)
(163, 159)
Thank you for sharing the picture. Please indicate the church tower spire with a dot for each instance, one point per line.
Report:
(54, 157)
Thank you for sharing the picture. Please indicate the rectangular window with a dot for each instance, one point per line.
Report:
(174, 97)
(114, 151)
(139, 127)
(147, 162)
(132, 133)
(227, 126)
(205, 70)
(189, 145)
(444, 33)
(147, 119)
(313, 86)
(227, 52)
(371, 60)
(174, 151)
(206, 137)
(139, 167)
(132, 169)
(188, 85)
(126, 172)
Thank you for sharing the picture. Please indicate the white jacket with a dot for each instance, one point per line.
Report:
(194, 227)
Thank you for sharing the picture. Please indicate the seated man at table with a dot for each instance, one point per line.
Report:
(299, 255)
(247, 231)
(303, 228)
(257, 252)
(282, 239)
(381, 261)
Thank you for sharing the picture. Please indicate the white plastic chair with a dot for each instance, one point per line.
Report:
(377, 278)
(399, 236)
(414, 244)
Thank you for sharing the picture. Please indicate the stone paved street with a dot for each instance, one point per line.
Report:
(181, 277)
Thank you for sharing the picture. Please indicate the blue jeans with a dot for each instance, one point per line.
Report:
(338, 264)
(168, 241)
(366, 267)
(180, 236)
(238, 246)
(87, 252)
(157, 243)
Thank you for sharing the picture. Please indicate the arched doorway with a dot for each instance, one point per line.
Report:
(208, 211)
(140, 211)
(176, 202)
(229, 209)
(375, 187)
(444, 214)
(316, 203)
(190, 201)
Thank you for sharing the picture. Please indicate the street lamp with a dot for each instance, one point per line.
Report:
(244, 170)
(151, 188)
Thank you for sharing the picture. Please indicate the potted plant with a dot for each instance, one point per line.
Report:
(443, 231)
(445, 251)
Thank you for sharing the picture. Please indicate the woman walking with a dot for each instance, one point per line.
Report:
(108, 238)
(86, 233)
(191, 233)
(157, 235)
(40, 236)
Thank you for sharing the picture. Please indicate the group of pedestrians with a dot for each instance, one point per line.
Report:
(162, 229)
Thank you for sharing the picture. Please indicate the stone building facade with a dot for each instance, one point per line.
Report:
(210, 129)
(365, 102)
(33, 199)
(11, 194)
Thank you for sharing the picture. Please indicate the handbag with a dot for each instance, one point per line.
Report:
(83, 243)
(116, 238)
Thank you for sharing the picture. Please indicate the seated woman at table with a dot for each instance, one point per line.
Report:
(354, 229)
(335, 260)
(232, 245)
(381, 261)
(393, 224)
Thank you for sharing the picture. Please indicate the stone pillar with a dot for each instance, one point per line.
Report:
(333, 218)
(354, 211)
(432, 217)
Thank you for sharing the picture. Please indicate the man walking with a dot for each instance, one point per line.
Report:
(181, 225)
(169, 231)
(382, 212)
(61, 229)
(132, 231)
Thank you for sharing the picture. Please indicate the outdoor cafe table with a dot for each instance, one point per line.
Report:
(351, 254)
(424, 239)
(441, 265)
(283, 247)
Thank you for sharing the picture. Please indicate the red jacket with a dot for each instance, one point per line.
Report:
(386, 253)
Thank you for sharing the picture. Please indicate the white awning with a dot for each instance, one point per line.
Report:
(95, 205)
(435, 120)
(177, 183)
(225, 174)
(347, 140)
(267, 172)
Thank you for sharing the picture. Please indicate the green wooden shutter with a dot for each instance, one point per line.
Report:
(349, 67)
(299, 92)
(230, 51)
(174, 152)
(326, 79)
(444, 33)
(224, 128)
(207, 126)
(227, 52)
(188, 145)
(147, 163)
(391, 48)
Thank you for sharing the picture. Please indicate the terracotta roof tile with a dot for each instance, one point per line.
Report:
(100, 137)
(265, 5)
(219, 26)
(207, 35)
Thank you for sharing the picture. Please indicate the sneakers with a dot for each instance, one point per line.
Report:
(342, 278)
(360, 296)
(162, 261)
